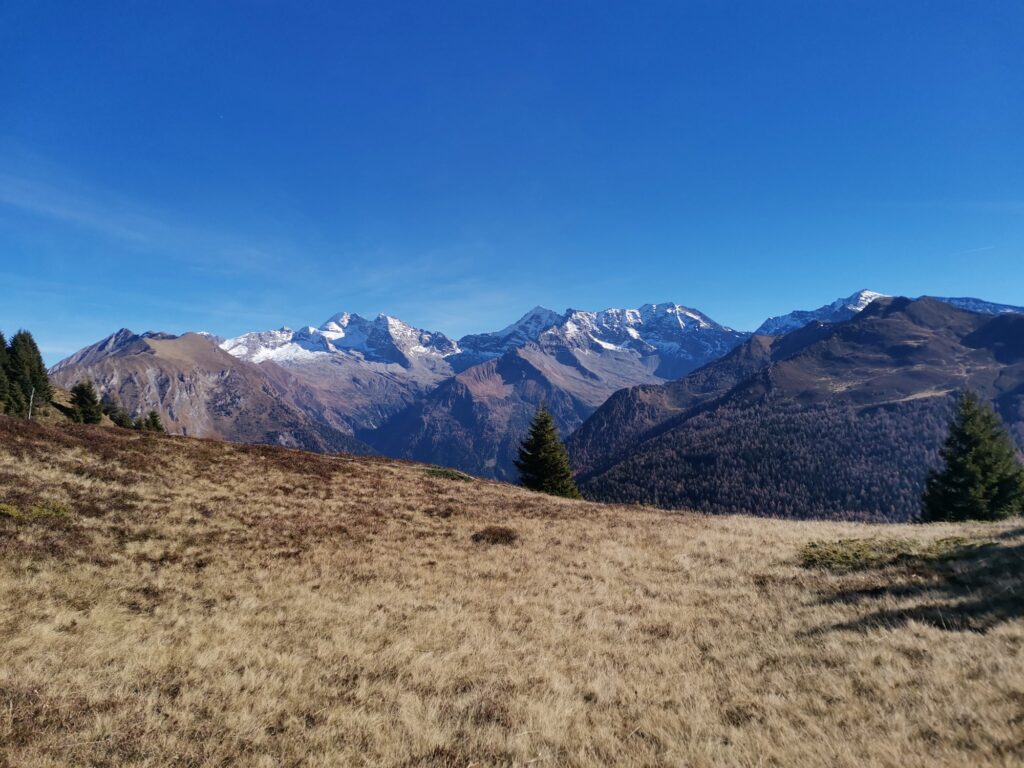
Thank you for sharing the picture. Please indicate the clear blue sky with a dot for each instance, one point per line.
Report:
(234, 166)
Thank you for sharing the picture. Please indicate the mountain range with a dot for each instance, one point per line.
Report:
(381, 385)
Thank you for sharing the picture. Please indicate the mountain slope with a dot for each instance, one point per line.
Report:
(474, 421)
(834, 419)
(201, 390)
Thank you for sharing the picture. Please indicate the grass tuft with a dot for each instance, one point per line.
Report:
(39, 510)
(846, 555)
(448, 474)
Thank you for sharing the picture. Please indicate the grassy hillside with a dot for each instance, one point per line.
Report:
(166, 601)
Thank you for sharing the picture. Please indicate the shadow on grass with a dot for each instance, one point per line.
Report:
(1013, 533)
(971, 587)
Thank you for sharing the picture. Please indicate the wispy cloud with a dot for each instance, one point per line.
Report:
(36, 187)
(970, 251)
(253, 278)
(62, 204)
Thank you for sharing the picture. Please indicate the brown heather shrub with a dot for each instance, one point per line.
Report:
(205, 604)
(495, 534)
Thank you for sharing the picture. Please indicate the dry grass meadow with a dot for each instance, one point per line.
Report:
(174, 602)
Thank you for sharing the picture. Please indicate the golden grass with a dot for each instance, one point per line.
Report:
(206, 604)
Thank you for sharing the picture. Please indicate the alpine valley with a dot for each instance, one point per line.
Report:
(380, 385)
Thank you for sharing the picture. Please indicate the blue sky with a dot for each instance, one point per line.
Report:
(237, 166)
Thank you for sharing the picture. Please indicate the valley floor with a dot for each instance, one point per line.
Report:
(166, 601)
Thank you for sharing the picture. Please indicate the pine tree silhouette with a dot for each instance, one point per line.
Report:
(86, 404)
(981, 477)
(153, 423)
(543, 463)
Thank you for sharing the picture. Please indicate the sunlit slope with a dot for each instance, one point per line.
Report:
(175, 601)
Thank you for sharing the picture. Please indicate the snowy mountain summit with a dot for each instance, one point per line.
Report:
(849, 307)
(684, 337)
(384, 339)
(666, 328)
(837, 311)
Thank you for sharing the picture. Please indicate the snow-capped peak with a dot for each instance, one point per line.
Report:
(532, 324)
(858, 301)
(665, 326)
(384, 339)
(838, 311)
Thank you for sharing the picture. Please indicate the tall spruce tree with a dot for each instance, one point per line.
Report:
(981, 477)
(85, 403)
(5, 386)
(27, 374)
(543, 463)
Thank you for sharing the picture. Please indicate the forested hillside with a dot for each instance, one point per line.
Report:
(833, 420)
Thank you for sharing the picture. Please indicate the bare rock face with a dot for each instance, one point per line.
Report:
(202, 391)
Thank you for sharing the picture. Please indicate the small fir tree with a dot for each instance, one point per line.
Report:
(117, 413)
(86, 404)
(543, 463)
(153, 423)
(981, 477)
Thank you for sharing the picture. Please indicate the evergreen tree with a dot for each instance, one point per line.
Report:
(543, 463)
(153, 423)
(86, 403)
(981, 477)
(117, 413)
(27, 374)
(5, 387)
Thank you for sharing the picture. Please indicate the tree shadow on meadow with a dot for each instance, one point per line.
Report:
(952, 584)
